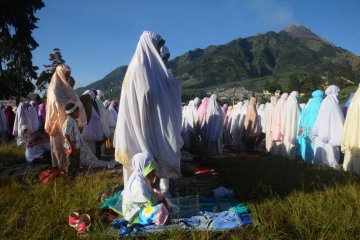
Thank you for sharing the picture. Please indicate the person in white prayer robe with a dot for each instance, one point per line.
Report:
(328, 129)
(212, 132)
(267, 123)
(93, 132)
(277, 126)
(150, 111)
(189, 129)
(236, 129)
(291, 120)
(59, 94)
(350, 145)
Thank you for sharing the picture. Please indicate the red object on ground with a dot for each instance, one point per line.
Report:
(47, 175)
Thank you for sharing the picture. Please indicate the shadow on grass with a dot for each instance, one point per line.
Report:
(255, 178)
(10, 154)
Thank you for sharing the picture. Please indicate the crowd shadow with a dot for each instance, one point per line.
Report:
(256, 176)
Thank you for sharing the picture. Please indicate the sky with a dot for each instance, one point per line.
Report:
(97, 36)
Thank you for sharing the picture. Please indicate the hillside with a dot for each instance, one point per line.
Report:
(250, 62)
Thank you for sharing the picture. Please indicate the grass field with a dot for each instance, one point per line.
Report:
(288, 200)
(9, 154)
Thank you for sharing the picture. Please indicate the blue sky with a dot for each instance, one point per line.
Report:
(97, 36)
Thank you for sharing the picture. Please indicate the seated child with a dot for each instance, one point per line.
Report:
(71, 133)
(142, 203)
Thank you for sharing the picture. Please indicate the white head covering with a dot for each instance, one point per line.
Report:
(106, 103)
(137, 189)
(329, 123)
(22, 118)
(100, 94)
(59, 94)
(196, 102)
(190, 117)
(214, 120)
(90, 93)
(113, 113)
(150, 110)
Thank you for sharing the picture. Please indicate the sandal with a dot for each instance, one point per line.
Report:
(83, 225)
(73, 219)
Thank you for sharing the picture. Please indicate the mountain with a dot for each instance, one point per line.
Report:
(251, 61)
(114, 78)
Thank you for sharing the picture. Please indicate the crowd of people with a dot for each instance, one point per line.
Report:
(38, 126)
(148, 127)
(317, 132)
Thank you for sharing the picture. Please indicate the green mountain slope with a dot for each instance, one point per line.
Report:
(249, 62)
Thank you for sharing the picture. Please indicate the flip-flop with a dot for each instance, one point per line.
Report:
(73, 219)
(83, 225)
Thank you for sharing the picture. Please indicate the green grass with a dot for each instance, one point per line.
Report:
(11, 154)
(287, 200)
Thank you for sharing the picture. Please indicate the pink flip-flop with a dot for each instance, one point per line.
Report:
(73, 219)
(83, 225)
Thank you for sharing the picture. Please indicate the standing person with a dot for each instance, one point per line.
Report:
(227, 126)
(10, 116)
(42, 115)
(59, 94)
(251, 124)
(212, 131)
(267, 123)
(113, 110)
(307, 121)
(189, 128)
(328, 129)
(104, 115)
(4, 127)
(347, 104)
(291, 120)
(277, 126)
(71, 133)
(202, 111)
(22, 124)
(236, 126)
(350, 140)
(261, 114)
(34, 117)
(150, 111)
(93, 132)
(224, 108)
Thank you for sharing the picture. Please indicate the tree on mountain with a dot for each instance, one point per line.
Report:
(294, 83)
(311, 83)
(272, 86)
(17, 22)
(45, 76)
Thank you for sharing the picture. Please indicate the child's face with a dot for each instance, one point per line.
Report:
(75, 114)
(152, 179)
